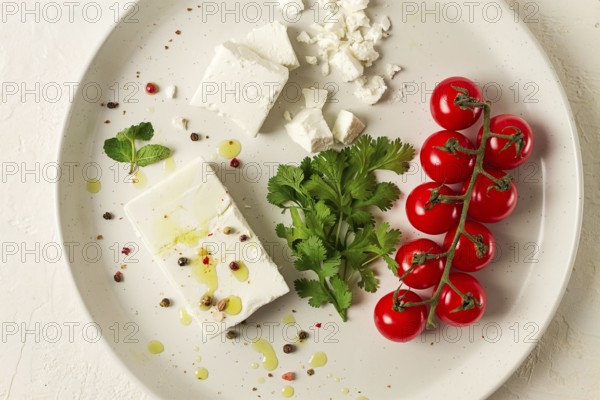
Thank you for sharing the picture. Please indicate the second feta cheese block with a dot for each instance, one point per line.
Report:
(310, 130)
(347, 127)
(241, 85)
(272, 42)
(205, 248)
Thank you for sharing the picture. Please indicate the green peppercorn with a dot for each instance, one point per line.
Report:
(230, 335)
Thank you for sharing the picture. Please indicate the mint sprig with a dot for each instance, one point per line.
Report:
(122, 148)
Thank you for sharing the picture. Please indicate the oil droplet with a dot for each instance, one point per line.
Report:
(234, 305)
(261, 380)
(318, 360)
(289, 320)
(196, 348)
(242, 273)
(287, 391)
(189, 238)
(254, 365)
(155, 347)
(170, 165)
(345, 391)
(206, 273)
(139, 179)
(329, 376)
(184, 317)
(93, 186)
(361, 398)
(338, 379)
(269, 361)
(198, 358)
(230, 149)
(201, 373)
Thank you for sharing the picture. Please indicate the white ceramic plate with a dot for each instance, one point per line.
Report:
(525, 284)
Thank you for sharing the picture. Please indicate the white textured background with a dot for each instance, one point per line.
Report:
(563, 366)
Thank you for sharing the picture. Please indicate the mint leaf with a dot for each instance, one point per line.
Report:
(143, 131)
(118, 150)
(152, 153)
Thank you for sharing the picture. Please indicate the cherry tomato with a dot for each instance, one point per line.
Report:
(425, 275)
(468, 256)
(443, 110)
(432, 218)
(400, 326)
(443, 166)
(488, 203)
(495, 155)
(450, 300)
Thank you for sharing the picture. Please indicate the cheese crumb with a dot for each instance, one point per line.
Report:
(303, 37)
(391, 70)
(180, 123)
(312, 60)
(370, 89)
(171, 91)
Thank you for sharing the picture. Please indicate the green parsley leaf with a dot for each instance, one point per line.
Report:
(333, 233)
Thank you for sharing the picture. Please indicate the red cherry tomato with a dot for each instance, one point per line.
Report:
(443, 110)
(424, 275)
(495, 155)
(443, 166)
(400, 326)
(450, 300)
(429, 218)
(488, 203)
(468, 256)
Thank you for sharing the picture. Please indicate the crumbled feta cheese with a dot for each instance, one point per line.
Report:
(365, 51)
(354, 5)
(312, 60)
(287, 115)
(386, 23)
(347, 65)
(336, 25)
(325, 68)
(391, 70)
(354, 37)
(272, 42)
(347, 127)
(375, 33)
(398, 96)
(310, 130)
(315, 98)
(180, 123)
(357, 20)
(303, 37)
(370, 89)
(171, 91)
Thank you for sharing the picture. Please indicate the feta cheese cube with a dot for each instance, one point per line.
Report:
(310, 130)
(272, 42)
(370, 89)
(347, 127)
(347, 65)
(315, 98)
(191, 214)
(386, 23)
(241, 85)
(354, 5)
(171, 91)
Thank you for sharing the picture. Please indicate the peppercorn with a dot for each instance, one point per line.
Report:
(310, 372)
(234, 163)
(206, 301)
(151, 88)
(288, 348)
(230, 335)
(183, 262)
(227, 230)
(234, 266)
(243, 238)
(302, 335)
(112, 105)
(165, 303)
(118, 276)
(107, 216)
(195, 137)
(222, 304)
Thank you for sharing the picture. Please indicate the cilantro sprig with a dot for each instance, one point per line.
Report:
(122, 148)
(333, 232)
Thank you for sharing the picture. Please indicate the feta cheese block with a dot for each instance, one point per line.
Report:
(347, 65)
(315, 98)
(347, 127)
(310, 130)
(229, 275)
(272, 42)
(241, 85)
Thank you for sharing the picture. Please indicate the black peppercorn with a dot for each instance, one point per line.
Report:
(182, 262)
